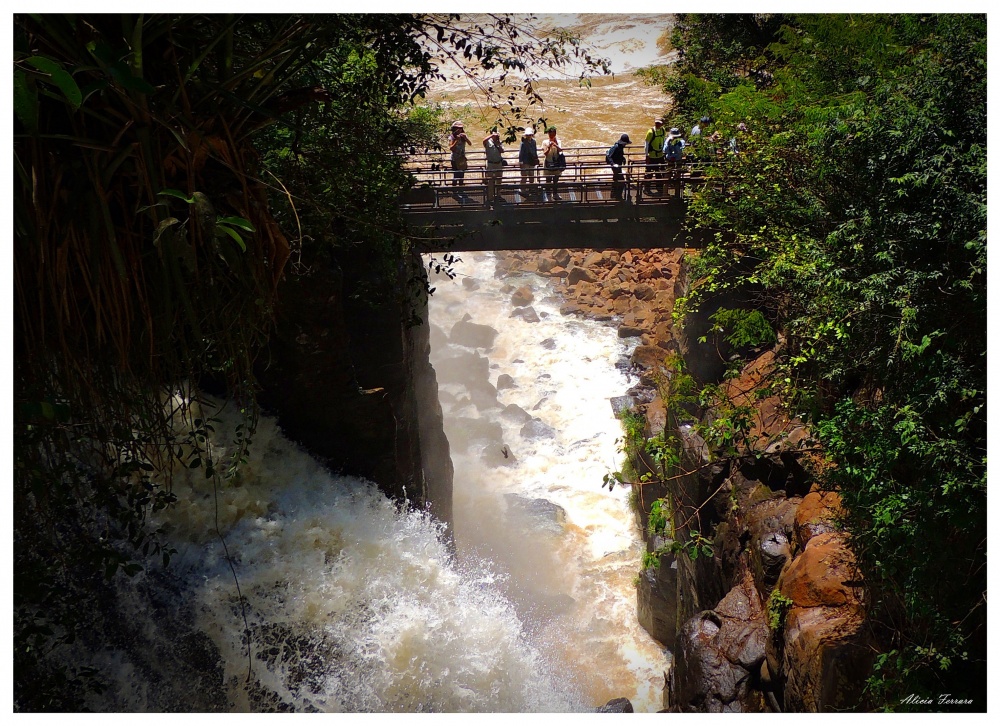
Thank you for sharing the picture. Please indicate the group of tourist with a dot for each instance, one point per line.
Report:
(664, 151)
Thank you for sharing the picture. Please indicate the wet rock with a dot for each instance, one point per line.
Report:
(496, 456)
(561, 257)
(505, 381)
(644, 291)
(522, 296)
(647, 356)
(540, 403)
(825, 659)
(824, 574)
(545, 264)
(537, 429)
(515, 413)
(571, 308)
(629, 331)
(438, 338)
(579, 274)
(816, 515)
(549, 344)
(594, 259)
(462, 368)
(558, 272)
(617, 705)
(656, 600)
(483, 394)
(770, 524)
(470, 283)
(526, 313)
(537, 514)
(472, 335)
(621, 403)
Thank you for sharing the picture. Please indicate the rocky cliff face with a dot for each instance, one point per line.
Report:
(350, 379)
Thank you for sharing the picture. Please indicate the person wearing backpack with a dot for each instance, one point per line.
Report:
(528, 158)
(656, 138)
(674, 152)
(615, 156)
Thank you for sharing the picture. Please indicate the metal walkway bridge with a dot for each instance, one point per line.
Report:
(583, 213)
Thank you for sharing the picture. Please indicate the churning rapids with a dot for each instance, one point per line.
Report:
(354, 603)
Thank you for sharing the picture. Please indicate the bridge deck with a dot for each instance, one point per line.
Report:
(585, 214)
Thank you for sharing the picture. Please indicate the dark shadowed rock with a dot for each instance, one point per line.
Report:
(470, 283)
(526, 313)
(629, 331)
(505, 381)
(537, 515)
(472, 334)
(463, 368)
(561, 257)
(656, 600)
(579, 274)
(537, 429)
(496, 456)
(549, 344)
(617, 705)
(522, 296)
(515, 413)
(621, 403)
(483, 394)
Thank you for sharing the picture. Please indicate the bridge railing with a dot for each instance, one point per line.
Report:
(587, 179)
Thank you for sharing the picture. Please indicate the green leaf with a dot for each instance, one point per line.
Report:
(234, 234)
(176, 193)
(59, 78)
(237, 222)
(25, 100)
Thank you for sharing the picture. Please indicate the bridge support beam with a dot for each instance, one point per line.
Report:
(644, 226)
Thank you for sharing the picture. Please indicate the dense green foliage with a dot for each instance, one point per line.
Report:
(856, 209)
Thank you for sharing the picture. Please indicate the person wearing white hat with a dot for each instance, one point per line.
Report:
(528, 158)
(674, 152)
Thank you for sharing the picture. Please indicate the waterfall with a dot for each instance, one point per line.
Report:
(525, 393)
(353, 603)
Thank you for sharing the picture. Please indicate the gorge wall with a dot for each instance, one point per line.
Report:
(348, 375)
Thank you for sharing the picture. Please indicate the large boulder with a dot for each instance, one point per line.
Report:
(526, 313)
(826, 659)
(824, 573)
(522, 296)
(617, 705)
(817, 515)
(579, 274)
(718, 653)
(536, 515)
(771, 525)
(472, 335)
(462, 368)
(537, 429)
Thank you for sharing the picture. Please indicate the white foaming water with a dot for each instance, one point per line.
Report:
(354, 603)
(570, 572)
